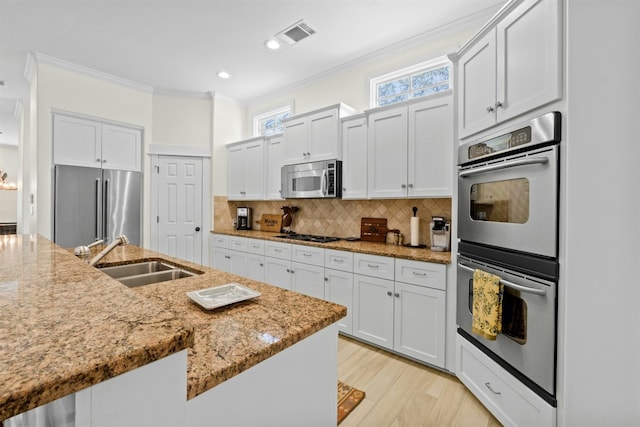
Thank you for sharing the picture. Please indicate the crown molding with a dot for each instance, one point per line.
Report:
(90, 72)
(504, 10)
(181, 93)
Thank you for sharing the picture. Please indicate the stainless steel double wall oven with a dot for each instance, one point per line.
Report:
(508, 187)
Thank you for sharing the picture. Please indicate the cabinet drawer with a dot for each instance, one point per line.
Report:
(238, 243)
(220, 241)
(255, 246)
(421, 273)
(277, 250)
(338, 260)
(307, 255)
(505, 397)
(374, 265)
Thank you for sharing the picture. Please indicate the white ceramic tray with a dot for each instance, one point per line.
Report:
(219, 296)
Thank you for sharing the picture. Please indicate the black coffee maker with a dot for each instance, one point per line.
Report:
(244, 218)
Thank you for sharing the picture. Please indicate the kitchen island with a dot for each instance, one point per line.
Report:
(67, 328)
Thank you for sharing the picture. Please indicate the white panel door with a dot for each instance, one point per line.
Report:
(354, 159)
(387, 153)
(373, 310)
(76, 142)
(180, 207)
(419, 324)
(339, 289)
(477, 89)
(324, 135)
(121, 148)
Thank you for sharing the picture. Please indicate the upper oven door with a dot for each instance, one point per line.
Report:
(511, 202)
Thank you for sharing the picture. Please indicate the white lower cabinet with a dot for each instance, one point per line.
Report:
(237, 263)
(373, 310)
(339, 289)
(510, 401)
(307, 279)
(255, 267)
(405, 317)
(277, 272)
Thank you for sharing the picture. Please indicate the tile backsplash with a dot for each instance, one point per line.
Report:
(331, 217)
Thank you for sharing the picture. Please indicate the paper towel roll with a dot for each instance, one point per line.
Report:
(415, 231)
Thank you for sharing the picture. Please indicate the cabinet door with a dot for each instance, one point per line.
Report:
(76, 142)
(275, 160)
(277, 272)
(529, 58)
(121, 148)
(354, 159)
(339, 289)
(255, 267)
(236, 172)
(238, 263)
(419, 323)
(324, 136)
(254, 169)
(373, 310)
(220, 259)
(430, 160)
(387, 153)
(477, 80)
(295, 140)
(307, 279)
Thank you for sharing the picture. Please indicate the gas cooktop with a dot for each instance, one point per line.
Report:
(309, 238)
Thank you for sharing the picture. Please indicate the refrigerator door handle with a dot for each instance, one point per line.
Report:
(97, 233)
(105, 209)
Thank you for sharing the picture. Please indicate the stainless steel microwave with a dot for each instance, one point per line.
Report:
(312, 180)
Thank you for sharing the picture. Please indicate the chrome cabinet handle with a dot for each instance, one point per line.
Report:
(338, 260)
(397, 295)
(277, 250)
(410, 185)
(488, 385)
(288, 271)
(403, 186)
(509, 284)
(498, 104)
(97, 160)
(326, 279)
(415, 273)
(489, 109)
(389, 293)
(510, 164)
(373, 266)
(306, 254)
(261, 265)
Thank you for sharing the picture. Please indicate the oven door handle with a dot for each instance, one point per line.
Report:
(509, 284)
(505, 165)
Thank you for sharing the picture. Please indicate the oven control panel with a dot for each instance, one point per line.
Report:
(500, 143)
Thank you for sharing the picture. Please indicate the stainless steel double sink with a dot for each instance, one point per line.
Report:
(145, 272)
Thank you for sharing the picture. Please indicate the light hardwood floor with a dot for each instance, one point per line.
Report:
(400, 392)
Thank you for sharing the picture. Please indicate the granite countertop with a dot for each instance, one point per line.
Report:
(372, 248)
(65, 326)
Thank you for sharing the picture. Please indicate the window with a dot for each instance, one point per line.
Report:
(408, 83)
(270, 123)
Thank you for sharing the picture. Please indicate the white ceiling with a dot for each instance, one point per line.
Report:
(179, 45)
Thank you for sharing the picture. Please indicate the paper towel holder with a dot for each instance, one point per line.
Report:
(440, 231)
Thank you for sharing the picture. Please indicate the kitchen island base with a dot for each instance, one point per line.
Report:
(296, 387)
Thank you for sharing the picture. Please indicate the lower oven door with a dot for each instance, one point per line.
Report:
(511, 202)
(528, 339)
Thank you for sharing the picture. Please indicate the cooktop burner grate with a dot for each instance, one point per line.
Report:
(309, 238)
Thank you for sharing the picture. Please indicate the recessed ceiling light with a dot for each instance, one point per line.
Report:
(272, 44)
(223, 74)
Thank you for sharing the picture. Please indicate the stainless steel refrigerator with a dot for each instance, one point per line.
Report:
(92, 204)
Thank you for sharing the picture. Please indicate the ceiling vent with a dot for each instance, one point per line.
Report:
(296, 33)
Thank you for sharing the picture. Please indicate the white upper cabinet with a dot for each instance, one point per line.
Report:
(246, 170)
(275, 160)
(315, 135)
(354, 158)
(410, 149)
(512, 69)
(87, 143)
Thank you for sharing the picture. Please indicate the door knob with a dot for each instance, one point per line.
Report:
(197, 228)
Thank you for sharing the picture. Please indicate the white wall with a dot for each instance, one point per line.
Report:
(64, 90)
(181, 120)
(228, 125)
(9, 199)
(350, 84)
(601, 364)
